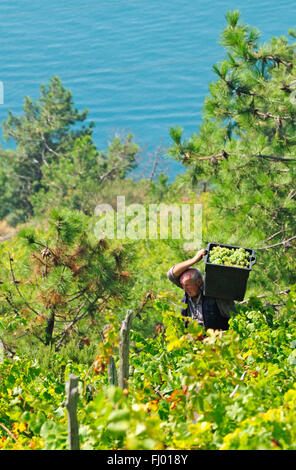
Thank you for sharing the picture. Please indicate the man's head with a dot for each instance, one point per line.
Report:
(191, 281)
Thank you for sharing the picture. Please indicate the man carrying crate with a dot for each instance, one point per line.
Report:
(207, 311)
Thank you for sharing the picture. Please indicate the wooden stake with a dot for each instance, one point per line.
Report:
(124, 350)
(112, 372)
(71, 405)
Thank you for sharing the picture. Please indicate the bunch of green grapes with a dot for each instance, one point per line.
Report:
(237, 257)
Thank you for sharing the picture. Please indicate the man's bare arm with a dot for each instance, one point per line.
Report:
(179, 268)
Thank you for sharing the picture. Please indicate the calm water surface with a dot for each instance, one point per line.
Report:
(137, 65)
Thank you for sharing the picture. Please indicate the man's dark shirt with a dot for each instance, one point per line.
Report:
(208, 311)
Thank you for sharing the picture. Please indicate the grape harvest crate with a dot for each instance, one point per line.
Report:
(226, 282)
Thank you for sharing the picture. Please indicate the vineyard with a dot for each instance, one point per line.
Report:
(187, 389)
(78, 307)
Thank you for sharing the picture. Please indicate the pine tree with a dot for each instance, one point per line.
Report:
(56, 160)
(245, 148)
(56, 277)
(42, 134)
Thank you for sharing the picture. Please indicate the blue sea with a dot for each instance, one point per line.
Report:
(139, 66)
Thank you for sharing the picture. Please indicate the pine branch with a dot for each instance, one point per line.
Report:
(50, 149)
(284, 242)
(239, 90)
(156, 159)
(275, 234)
(277, 60)
(78, 317)
(78, 294)
(274, 158)
(6, 349)
(224, 155)
(15, 282)
(114, 169)
(283, 292)
(11, 304)
(277, 119)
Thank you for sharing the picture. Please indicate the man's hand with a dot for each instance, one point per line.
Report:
(199, 255)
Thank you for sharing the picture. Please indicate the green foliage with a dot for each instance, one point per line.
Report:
(64, 292)
(41, 134)
(57, 276)
(119, 159)
(56, 161)
(244, 149)
(80, 177)
(187, 389)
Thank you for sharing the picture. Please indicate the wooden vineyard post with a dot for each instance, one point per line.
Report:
(124, 350)
(112, 372)
(71, 405)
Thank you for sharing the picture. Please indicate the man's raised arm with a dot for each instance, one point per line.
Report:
(179, 268)
(176, 270)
